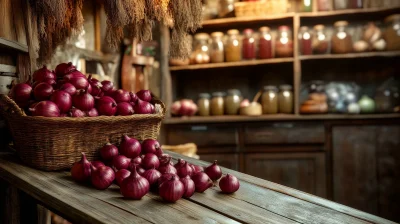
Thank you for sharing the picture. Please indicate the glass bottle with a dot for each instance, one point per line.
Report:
(248, 45)
(269, 100)
(305, 41)
(341, 4)
(201, 53)
(217, 103)
(284, 42)
(324, 5)
(265, 43)
(342, 42)
(320, 41)
(285, 99)
(217, 47)
(392, 32)
(356, 4)
(306, 5)
(232, 102)
(233, 46)
(203, 104)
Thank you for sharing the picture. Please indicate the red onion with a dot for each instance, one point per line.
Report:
(121, 175)
(121, 162)
(124, 109)
(63, 115)
(196, 168)
(80, 171)
(107, 86)
(64, 68)
(102, 177)
(134, 186)
(143, 107)
(166, 176)
(150, 146)
(43, 74)
(89, 89)
(130, 147)
(43, 91)
(51, 82)
(97, 164)
(165, 159)
(79, 82)
(83, 100)
(172, 190)
(202, 182)
(59, 83)
(92, 113)
(63, 100)
(140, 170)
(75, 112)
(213, 171)
(121, 96)
(45, 109)
(106, 106)
(165, 165)
(69, 88)
(137, 160)
(95, 85)
(108, 152)
(229, 184)
(152, 175)
(187, 108)
(188, 186)
(183, 169)
(150, 160)
(134, 98)
(73, 74)
(21, 93)
(144, 95)
(176, 107)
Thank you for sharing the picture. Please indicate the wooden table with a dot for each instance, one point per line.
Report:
(257, 201)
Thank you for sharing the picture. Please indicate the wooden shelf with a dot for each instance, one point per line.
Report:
(10, 44)
(278, 117)
(245, 20)
(8, 68)
(91, 55)
(351, 55)
(338, 13)
(232, 64)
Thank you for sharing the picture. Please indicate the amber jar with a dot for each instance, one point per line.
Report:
(392, 32)
(356, 4)
(305, 38)
(233, 50)
(341, 4)
(217, 47)
(269, 100)
(232, 102)
(285, 99)
(284, 42)
(320, 41)
(324, 5)
(342, 42)
(265, 43)
(203, 104)
(217, 103)
(248, 45)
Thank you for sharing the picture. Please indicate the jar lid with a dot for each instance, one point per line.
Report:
(270, 88)
(392, 18)
(233, 32)
(234, 92)
(319, 27)
(205, 95)
(248, 31)
(264, 29)
(341, 23)
(304, 28)
(284, 28)
(285, 87)
(201, 36)
(217, 34)
(218, 94)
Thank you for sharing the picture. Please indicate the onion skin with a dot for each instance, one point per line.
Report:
(130, 147)
(63, 100)
(137, 160)
(45, 109)
(97, 164)
(140, 170)
(81, 170)
(134, 98)
(42, 74)
(144, 95)
(183, 168)
(213, 171)
(121, 162)
(95, 85)
(121, 175)
(107, 86)
(166, 176)
(43, 91)
(69, 88)
(64, 68)
(83, 100)
(172, 190)
(229, 184)
(106, 106)
(102, 177)
(189, 187)
(121, 96)
(202, 182)
(77, 79)
(165, 165)
(175, 108)
(134, 186)
(149, 161)
(108, 152)
(152, 175)
(74, 112)
(196, 168)
(124, 109)
(150, 146)
(92, 113)
(143, 107)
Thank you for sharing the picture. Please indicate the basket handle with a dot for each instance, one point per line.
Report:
(8, 103)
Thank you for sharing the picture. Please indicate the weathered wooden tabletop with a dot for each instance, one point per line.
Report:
(257, 201)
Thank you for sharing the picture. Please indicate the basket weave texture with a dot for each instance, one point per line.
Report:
(49, 143)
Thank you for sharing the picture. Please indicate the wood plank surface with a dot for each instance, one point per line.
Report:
(6, 43)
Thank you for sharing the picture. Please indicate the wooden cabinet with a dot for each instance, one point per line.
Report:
(228, 160)
(302, 171)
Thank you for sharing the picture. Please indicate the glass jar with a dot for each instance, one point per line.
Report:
(248, 45)
(284, 42)
(341, 4)
(226, 8)
(324, 5)
(392, 32)
(217, 47)
(355, 4)
(383, 101)
(306, 5)
(305, 41)
(265, 43)
(233, 47)
(285, 99)
(320, 41)
(217, 103)
(232, 102)
(203, 104)
(269, 100)
(342, 42)
(200, 54)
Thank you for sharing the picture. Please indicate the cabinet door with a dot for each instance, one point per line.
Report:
(302, 171)
(228, 160)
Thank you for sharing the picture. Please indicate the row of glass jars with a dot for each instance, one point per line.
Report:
(328, 5)
(274, 102)
(220, 103)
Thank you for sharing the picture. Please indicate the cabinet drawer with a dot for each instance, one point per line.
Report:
(284, 133)
(203, 135)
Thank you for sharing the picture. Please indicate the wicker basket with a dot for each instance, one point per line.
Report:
(49, 143)
(261, 8)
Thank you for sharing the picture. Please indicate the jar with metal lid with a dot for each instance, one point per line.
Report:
(284, 42)
(217, 103)
(305, 38)
(203, 104)
(392, 32)
(248, 45)
(383, 101)
(265, 43)
(200, 54)
(342, 42)
(324, 5)
(217, 47)
(269, 100)
(341, 4)
(320, 41)
(226, 8)
(285, 99)
(233, 50)
(232, 101)
(306, 5)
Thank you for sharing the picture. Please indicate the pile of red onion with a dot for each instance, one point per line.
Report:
(138, 167)
(184, 107)
(66, 92)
